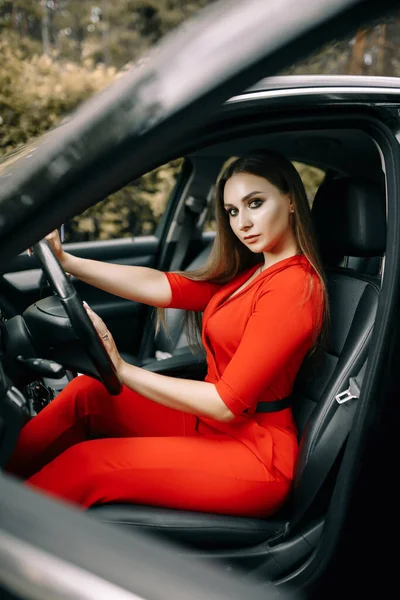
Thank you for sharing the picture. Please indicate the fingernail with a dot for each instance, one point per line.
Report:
(86, 305)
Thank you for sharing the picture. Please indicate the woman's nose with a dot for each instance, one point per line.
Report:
(244, 221)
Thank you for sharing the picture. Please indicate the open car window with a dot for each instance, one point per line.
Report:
(133, 211)
(136, 125)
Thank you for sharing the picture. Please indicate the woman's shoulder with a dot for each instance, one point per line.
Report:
(291, 275)
(293, 268)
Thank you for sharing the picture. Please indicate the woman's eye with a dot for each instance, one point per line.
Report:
(232, 212)
(255, 203)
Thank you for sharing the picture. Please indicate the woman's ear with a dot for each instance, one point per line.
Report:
(291, 205)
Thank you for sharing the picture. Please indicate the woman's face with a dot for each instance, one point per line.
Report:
(259, 213)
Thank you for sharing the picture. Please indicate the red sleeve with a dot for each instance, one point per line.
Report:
(280, 329)
(188, 294)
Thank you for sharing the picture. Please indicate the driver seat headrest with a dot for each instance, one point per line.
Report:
(350, 219)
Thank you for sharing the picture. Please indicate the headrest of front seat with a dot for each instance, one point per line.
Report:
(349, 219)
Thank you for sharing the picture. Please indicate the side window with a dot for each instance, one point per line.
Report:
(312, 178)
(133, 211)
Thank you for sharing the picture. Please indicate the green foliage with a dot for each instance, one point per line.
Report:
(113, 32)
(311, 177)
(36, 93)
(134, 210)
(54, 54)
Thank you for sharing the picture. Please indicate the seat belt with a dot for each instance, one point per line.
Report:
(325, 452)
(194, 206)
(274, 405)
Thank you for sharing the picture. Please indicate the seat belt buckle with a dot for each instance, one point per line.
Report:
(352, 392)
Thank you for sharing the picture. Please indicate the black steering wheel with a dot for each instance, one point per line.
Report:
(80, 321)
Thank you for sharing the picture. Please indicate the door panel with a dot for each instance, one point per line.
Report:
(23, 284)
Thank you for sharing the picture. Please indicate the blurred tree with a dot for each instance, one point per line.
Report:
(36, 93)
(112, 32)
(133, 211)
(374, 50)
(56, 53)
(45, 27)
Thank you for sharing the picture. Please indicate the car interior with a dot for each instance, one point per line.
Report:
(349, 212)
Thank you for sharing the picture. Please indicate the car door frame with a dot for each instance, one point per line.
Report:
(45, 219)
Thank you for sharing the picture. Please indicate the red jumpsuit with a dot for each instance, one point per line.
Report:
(88, 447)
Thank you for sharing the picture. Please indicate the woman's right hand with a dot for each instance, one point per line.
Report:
(55, 244)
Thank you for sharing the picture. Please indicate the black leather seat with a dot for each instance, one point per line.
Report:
(174, 342)
(350, 219)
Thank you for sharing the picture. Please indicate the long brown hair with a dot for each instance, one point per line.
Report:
(229, 256)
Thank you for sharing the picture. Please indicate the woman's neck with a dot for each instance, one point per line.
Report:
(270, 258)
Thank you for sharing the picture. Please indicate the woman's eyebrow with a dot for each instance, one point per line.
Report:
(245, 198)
(248, 196)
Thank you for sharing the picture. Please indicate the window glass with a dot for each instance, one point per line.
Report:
(372, 51)
(312, 178)
(133, 211)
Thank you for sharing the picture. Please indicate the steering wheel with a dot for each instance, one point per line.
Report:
(80, 321)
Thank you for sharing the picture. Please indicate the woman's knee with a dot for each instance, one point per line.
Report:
(83, 392)
(84, 383)
(75, 475)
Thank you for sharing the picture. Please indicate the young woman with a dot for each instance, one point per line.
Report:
(198, 445)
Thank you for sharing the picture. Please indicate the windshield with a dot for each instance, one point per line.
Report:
(58, 56)
(371, 51)
(62, 56)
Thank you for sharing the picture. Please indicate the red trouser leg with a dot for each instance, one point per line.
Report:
(169, 465)
(85, 410)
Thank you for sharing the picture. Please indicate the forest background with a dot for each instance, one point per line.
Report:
(54, 54)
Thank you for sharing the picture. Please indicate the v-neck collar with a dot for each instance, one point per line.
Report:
(242, 277)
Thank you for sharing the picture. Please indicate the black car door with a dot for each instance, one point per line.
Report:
(136, 125)
(102, 233)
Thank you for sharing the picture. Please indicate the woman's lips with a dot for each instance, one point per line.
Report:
(251, 238)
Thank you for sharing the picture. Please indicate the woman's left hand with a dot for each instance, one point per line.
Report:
(106, 337)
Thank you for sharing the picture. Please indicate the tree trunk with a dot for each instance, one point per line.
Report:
(45, 28)
(106, 34)
(380, 58)
(356, 65)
